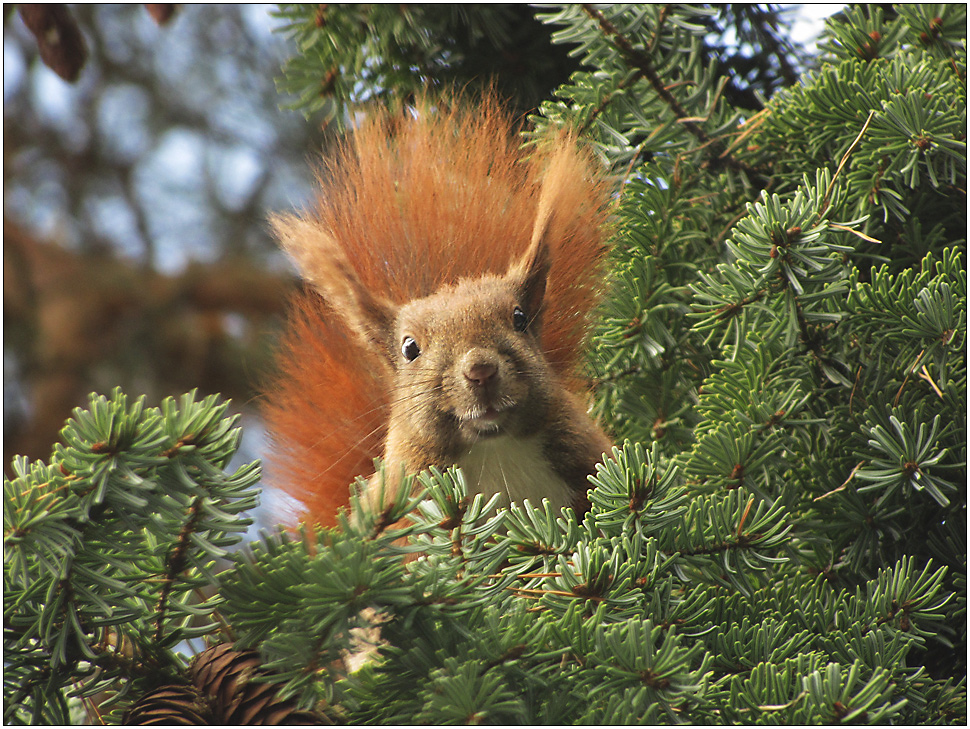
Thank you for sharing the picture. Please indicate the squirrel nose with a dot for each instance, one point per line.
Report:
(481, 373)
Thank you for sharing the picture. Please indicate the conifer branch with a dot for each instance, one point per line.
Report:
(628, 81)
(605, 102)
(728, 311)
(175, 564)
(742, 541)
(661, 21)
(642, 63)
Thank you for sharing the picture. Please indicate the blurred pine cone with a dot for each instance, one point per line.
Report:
(223, 692)
(170, 704)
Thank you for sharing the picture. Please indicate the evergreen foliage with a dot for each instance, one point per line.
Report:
(780, 536)
(111, 549)
(351, 55)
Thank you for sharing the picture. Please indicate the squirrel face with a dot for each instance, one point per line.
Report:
(465, 362)
(468, 364)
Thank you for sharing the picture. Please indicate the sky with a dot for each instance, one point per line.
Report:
(810, 19)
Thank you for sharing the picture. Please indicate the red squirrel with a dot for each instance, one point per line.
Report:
(452, 274)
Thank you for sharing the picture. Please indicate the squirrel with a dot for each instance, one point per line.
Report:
(451, 275)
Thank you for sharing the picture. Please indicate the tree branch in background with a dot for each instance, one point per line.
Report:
(76, 315)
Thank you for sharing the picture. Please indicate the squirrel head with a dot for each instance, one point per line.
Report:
(462, 364)
(466, 361)
(455, 271)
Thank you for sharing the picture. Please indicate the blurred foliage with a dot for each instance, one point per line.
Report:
(351, 55)
(136, 251)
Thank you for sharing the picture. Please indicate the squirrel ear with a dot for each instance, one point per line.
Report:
(531, 272)
(529, 275)
(323, 264)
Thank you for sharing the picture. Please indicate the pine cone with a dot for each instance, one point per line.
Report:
(171, 704)
(224, 676)
(223, 692)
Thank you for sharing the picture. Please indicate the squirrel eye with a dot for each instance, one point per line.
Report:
(410, 349)
(519, 320)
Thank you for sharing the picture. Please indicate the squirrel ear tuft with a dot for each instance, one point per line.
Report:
(558, 163)
(532, 270)
(323, 263)
(529, 275)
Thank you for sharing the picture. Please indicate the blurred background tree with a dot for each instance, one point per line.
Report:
(136, 186)
(135, 245)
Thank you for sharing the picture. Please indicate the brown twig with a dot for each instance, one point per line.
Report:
(855, 386)
(642, 63)
(912, 369)
(175, 564)
(845, 158)
(844, 483)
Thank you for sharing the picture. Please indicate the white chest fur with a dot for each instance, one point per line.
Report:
(515, 469)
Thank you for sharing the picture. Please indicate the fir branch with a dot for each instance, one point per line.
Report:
(808, 337)
(23, 692)
(661, 20)
(605, 102)
(627, 83)
(509, 654)
(619, 375)
(733, 309)
(647, 71)
(175, 564)
(723, 234)
(119, 653)
(642, 63)
(742, 541)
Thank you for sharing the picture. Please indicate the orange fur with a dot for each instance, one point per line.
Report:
(413, 201)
